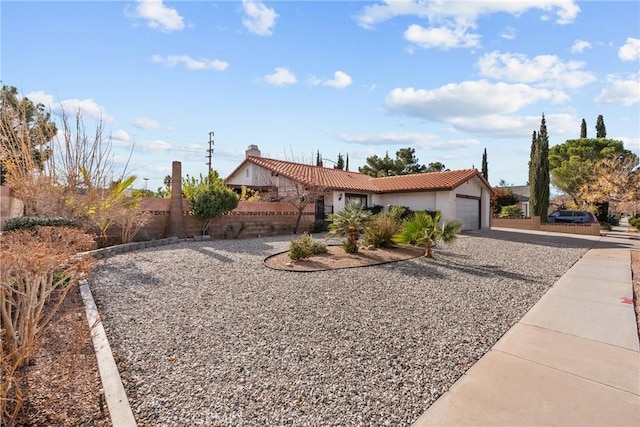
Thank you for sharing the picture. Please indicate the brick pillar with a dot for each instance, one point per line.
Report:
(176, 224)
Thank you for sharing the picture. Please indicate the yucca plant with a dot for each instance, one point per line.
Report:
(421, 229)
(350, 223)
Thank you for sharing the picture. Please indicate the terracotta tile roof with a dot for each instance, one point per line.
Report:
(346, 180)
(433, 181)
(317, 175)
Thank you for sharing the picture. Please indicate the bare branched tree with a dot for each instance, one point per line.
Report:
(297, 194)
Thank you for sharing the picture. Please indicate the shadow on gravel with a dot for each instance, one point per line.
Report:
(210, 252)
(559, 240)
(485, 271)
(262, 246)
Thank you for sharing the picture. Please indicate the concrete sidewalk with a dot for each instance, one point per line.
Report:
(573, 359)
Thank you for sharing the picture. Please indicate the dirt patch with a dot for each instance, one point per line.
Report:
(63, 382)
(336, 258)
(635, 269)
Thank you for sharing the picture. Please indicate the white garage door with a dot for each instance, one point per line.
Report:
(468, 211)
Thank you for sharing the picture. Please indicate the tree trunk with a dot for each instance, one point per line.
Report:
(427, 252)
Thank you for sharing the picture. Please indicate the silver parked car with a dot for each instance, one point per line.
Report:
(572, 217)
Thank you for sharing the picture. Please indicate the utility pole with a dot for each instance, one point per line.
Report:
(210, 151)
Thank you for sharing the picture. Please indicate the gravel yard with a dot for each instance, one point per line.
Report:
(205, 334)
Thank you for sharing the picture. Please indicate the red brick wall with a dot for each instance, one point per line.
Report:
(533, 223)
(249, 219)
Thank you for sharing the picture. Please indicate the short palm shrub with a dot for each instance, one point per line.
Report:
(305, 247)
(421, 229)
(350, 223)
(381, 230)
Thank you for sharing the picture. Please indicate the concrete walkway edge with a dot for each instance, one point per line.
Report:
(115, 395)
(573, 359)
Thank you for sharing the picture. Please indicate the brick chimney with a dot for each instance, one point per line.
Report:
(252, 151)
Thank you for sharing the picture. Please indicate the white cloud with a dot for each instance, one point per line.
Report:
(579, 46)
(625, 92)
(259, 18)
(546, 70)
(340, 80)
(422, 140)
(450, 20)
(190, 63)
(146, 123)
(466, 99)
(87, 107)
(446, 37)
(282, 76)
(120, 135)
(509, 126)
(157, 15)
(630, 51)
(509, 33)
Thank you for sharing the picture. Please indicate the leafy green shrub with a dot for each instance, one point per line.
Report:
(27, 222)
(635, 221)
(305, 247)
(381, 230)
(511, 211)
(605, 226)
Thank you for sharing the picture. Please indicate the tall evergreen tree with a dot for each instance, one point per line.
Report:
(346, 166)
(485, 165)
(583, 129)
(601, 130)
(318, 159)
(539, 172)
(340, 163)
(543, 179)
(534, 143)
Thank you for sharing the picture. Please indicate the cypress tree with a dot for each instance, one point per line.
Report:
(340, 163)
(601, 130)
(583, 129)
(318, 159)
(542, 177)
(533, 167)
(485, 165)
(347, 163)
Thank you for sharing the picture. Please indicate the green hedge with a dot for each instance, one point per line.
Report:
(26, 222)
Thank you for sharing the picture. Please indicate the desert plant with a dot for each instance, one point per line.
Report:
(305, 247)
(36, 264)
(381, 230)
(421, 229)
(130, 217)
(350, 223)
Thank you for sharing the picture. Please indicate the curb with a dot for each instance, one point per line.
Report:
(116, 397)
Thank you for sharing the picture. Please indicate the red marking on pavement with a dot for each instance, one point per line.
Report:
(626, 300)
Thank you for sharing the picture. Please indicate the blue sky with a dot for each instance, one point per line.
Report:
(448, 78)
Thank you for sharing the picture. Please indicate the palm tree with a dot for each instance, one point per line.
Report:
(421, 229)
(350, 223)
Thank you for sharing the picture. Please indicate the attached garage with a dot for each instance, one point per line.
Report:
(468, 211)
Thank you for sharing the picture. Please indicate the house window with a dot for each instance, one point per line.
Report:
(247, 172)
(360, 198)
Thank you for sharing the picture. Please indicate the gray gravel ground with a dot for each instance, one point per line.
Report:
(205, 334)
